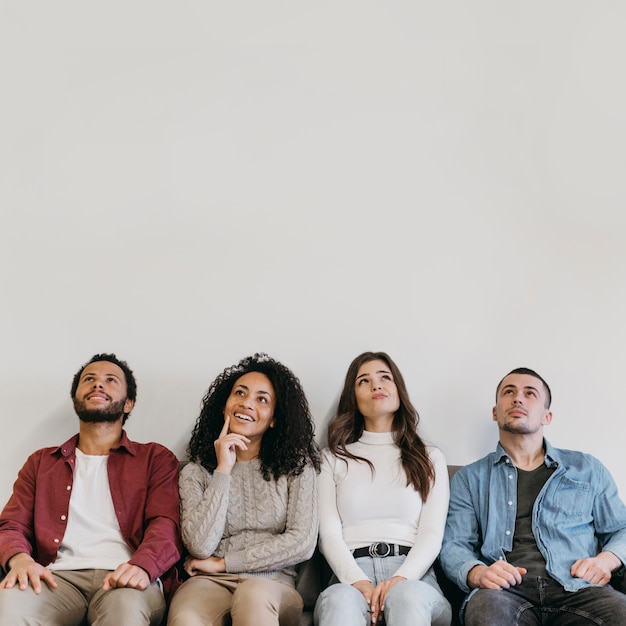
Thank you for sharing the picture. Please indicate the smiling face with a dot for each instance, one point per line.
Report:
(521, 405)
(376, 396)
(250, 406)
(101, 394)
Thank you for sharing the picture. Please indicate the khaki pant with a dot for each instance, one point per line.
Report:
(215, 600)
(79, 595)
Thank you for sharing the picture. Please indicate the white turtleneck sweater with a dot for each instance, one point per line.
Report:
(358, 508)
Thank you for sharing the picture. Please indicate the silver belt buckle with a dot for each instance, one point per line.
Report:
(375, 547)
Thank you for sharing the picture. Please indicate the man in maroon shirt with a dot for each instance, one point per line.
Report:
(93, 524)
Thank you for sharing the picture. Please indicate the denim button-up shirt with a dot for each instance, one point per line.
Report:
(576, 515)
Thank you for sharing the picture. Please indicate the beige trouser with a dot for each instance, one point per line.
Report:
(79, 594)
(214, 600)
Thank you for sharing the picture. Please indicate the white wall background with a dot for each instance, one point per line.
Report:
(188, 183)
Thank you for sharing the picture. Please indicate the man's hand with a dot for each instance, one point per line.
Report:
(127, 575)
(212, 565)
(598, 569)
(498, 575)
(24, 569)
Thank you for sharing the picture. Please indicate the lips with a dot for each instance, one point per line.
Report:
(379, 396)
(243, 417)
(98, 396)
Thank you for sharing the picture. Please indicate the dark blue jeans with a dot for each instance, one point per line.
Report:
(544, 601)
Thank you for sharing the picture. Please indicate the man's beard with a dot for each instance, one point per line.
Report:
(110, 414)
(523, 429)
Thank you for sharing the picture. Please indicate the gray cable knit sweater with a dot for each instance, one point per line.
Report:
(261, 528)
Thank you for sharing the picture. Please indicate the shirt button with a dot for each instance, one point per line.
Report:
(56, 541)
(69, 487)
(507, 461)
(63, 517)
(510, 476)
(508, 532)
(510, 502)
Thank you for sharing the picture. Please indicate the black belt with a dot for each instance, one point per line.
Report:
(380, 550)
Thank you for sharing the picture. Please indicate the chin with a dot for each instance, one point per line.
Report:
(96, 417)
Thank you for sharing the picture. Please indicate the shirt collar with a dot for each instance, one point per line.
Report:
(68, 448)
(551, 455)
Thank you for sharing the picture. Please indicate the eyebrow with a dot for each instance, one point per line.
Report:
(265, 393)
(515, 387)
(378, 372)
(96, 373)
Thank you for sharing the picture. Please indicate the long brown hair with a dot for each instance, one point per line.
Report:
(348, 425)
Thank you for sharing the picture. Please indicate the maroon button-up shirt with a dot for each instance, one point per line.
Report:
(143, 478)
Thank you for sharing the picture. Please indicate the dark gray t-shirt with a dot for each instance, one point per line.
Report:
(525, 552)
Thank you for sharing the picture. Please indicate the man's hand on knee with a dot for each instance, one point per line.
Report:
(24, 569)
(598, 569)
(127, 575)
(498, 575)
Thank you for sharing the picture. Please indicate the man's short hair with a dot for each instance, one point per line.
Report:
(529, 372)
(131, 383)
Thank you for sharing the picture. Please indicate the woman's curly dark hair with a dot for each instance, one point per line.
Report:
(348, 425)
(287, 447)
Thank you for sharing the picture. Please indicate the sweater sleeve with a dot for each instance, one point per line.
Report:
(204, 503)
(332, 544)
(431, 523)
(296, 543)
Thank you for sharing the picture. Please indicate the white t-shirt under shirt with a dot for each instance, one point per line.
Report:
(358, 508)
(92, 539)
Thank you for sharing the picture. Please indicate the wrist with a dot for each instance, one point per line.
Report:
(16, 558)
(613, 560)
(474, 576)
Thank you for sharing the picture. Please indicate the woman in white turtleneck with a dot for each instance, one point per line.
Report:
(383, 504)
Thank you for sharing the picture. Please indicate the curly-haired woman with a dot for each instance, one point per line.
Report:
(248, 499)
(383, 503)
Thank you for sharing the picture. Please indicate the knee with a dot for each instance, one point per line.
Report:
(338, 603)
(180, 617)
(128, 606)
(417, 598)
(486, 604)
(254, 596)
(413, 592)
(341, 593)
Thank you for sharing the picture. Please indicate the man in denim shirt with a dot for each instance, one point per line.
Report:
(533, 532)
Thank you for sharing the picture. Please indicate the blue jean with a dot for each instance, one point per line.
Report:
(544, 601)
(409, 603)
